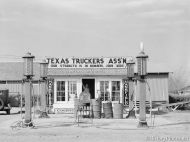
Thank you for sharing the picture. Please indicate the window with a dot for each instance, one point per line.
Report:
(72, 90)
(115, 90)
(60, 90)
(105, 95)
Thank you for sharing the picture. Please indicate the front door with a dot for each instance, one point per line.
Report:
(91, 85)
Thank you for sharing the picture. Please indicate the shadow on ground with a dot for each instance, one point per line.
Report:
(175, 124)
(9, 114)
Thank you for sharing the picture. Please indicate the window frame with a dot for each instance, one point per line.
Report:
(59, 90)
(73, 92)
(104, 90)
(116, 91)
(77, 80)
(110, 87)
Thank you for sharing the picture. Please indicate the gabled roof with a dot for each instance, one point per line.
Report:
(14, 71)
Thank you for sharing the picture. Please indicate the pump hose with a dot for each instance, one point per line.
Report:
(1, 104)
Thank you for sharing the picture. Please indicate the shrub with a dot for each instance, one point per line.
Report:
(175, 98)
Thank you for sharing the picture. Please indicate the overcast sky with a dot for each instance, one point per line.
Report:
(64, 28)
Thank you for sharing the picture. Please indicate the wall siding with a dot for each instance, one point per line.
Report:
(18, 88)
(158, 88)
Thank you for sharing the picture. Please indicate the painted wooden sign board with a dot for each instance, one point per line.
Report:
(108, 62)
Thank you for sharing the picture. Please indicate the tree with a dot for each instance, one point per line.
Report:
(178, 79)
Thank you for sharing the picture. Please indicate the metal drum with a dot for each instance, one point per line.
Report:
(96, 107)
(118, 111)
(107, 108)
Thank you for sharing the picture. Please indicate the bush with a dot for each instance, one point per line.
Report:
(175, 98)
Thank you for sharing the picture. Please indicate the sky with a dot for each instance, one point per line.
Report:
(85, 28)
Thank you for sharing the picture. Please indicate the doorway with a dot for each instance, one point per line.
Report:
(91, 86)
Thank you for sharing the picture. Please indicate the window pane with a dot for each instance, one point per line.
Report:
(60, 90)
(62, 86)
(118, 86)
(72, 90)
(117, 96)
(107, 96)
(115, 90)
(75, 87)
(58, 94)
(102, 95)
(58, 85)
(62, 83)
(62, 96)
(104, 85)
(58, 99)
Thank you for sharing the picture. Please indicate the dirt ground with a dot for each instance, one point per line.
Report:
(172, 126)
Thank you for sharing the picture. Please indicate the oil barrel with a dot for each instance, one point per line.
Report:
(107, 108)
(96, 107)
(118, 111)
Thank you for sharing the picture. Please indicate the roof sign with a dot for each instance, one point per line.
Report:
(112, 62)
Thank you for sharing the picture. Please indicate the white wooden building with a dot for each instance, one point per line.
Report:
(68, 76)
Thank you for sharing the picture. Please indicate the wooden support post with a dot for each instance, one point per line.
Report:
(28, 73)
(43, 99)
(49, 97)
(131, 99)
(43, 96)
(142, 95)
(142, 73)
(28, 103)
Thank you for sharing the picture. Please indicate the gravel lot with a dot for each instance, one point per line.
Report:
(173, 126)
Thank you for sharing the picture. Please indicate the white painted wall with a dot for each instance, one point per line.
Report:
(158, 88)
(70, 104)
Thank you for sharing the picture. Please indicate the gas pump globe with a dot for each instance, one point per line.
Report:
(142, 62)
(43, 69)
(28, 65)
(130, 68)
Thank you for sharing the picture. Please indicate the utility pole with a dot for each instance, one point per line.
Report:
(141, 83)
(43, 85)
(28, 73)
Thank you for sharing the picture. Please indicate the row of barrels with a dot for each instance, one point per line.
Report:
(108, 111)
